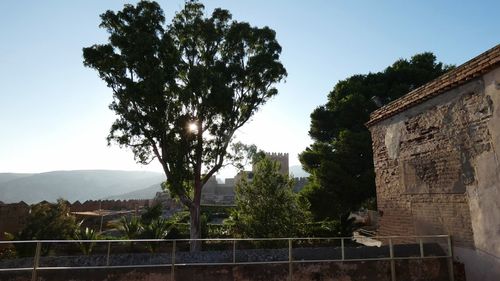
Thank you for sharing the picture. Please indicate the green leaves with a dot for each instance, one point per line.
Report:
(150, 226)
(131, 227)
(266, 205)
(211, 70)
(340, 159)
(85, 234)
(46, 221)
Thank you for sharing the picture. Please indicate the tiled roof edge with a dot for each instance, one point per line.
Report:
(454, 78)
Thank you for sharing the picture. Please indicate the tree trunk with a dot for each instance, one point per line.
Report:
(195, 228)
(194, 210)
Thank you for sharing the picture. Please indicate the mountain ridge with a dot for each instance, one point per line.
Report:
(73, 185)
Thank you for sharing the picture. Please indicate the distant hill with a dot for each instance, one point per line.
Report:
(297, 171)
(145, 193)
(73, 185)
(5, 177)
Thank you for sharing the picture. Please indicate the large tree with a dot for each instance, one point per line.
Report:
(182, 90)
(340, 159)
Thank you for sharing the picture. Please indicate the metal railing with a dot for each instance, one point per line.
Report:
(339, 242)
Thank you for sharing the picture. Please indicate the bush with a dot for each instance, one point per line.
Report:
(86, 234)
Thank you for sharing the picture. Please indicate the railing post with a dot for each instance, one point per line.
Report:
(421, 248)
(290, 259)
(36, 261)
(393, 264)
(107, 255)
(450, 260)
(172, 271)
(342, 248)
(234, 251)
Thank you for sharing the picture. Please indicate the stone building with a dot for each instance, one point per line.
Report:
(281, 158)
(437, 162)
(224, 193)
(218, 193)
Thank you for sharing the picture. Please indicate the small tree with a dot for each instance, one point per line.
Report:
(266, 205)
(46, 221)
(182, 90)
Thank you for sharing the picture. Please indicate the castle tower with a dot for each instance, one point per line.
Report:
(282, 158)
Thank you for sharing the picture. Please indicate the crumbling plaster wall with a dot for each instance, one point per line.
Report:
(438, 171)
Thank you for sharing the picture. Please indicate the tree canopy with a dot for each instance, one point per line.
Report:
(266, 205)
(340, 159)
(181, 90)
(46, 221)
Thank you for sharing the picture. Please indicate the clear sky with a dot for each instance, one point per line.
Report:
(53, 110)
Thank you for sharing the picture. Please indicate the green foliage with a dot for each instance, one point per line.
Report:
(152, 213)
(343, 227)
(219, 231)
(181, 90)
(179, 231)
(267, 205)
(157, 229)
(85, 234)
(152, 226)
(370, 204)
(46, 221)
(340, 159)
(131, 227)
(8, 252)
(322, 229)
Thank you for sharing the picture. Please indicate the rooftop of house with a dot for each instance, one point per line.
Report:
(454, 78)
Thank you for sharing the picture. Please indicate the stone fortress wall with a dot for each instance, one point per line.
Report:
(281, 158)
(13, 216)
(92, 205)
(224, 193)
(436, 156)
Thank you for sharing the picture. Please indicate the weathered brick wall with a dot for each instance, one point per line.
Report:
(468, 71)
(424, 161)
(436, 154)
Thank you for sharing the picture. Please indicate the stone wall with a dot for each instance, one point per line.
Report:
(414, 270)
(282, 158)
(12, 218)
(92, 205)
(438, 171)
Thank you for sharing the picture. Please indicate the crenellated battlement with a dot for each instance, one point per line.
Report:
(299, 183)
(277, 154)
(280, 157)
(300, 179)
